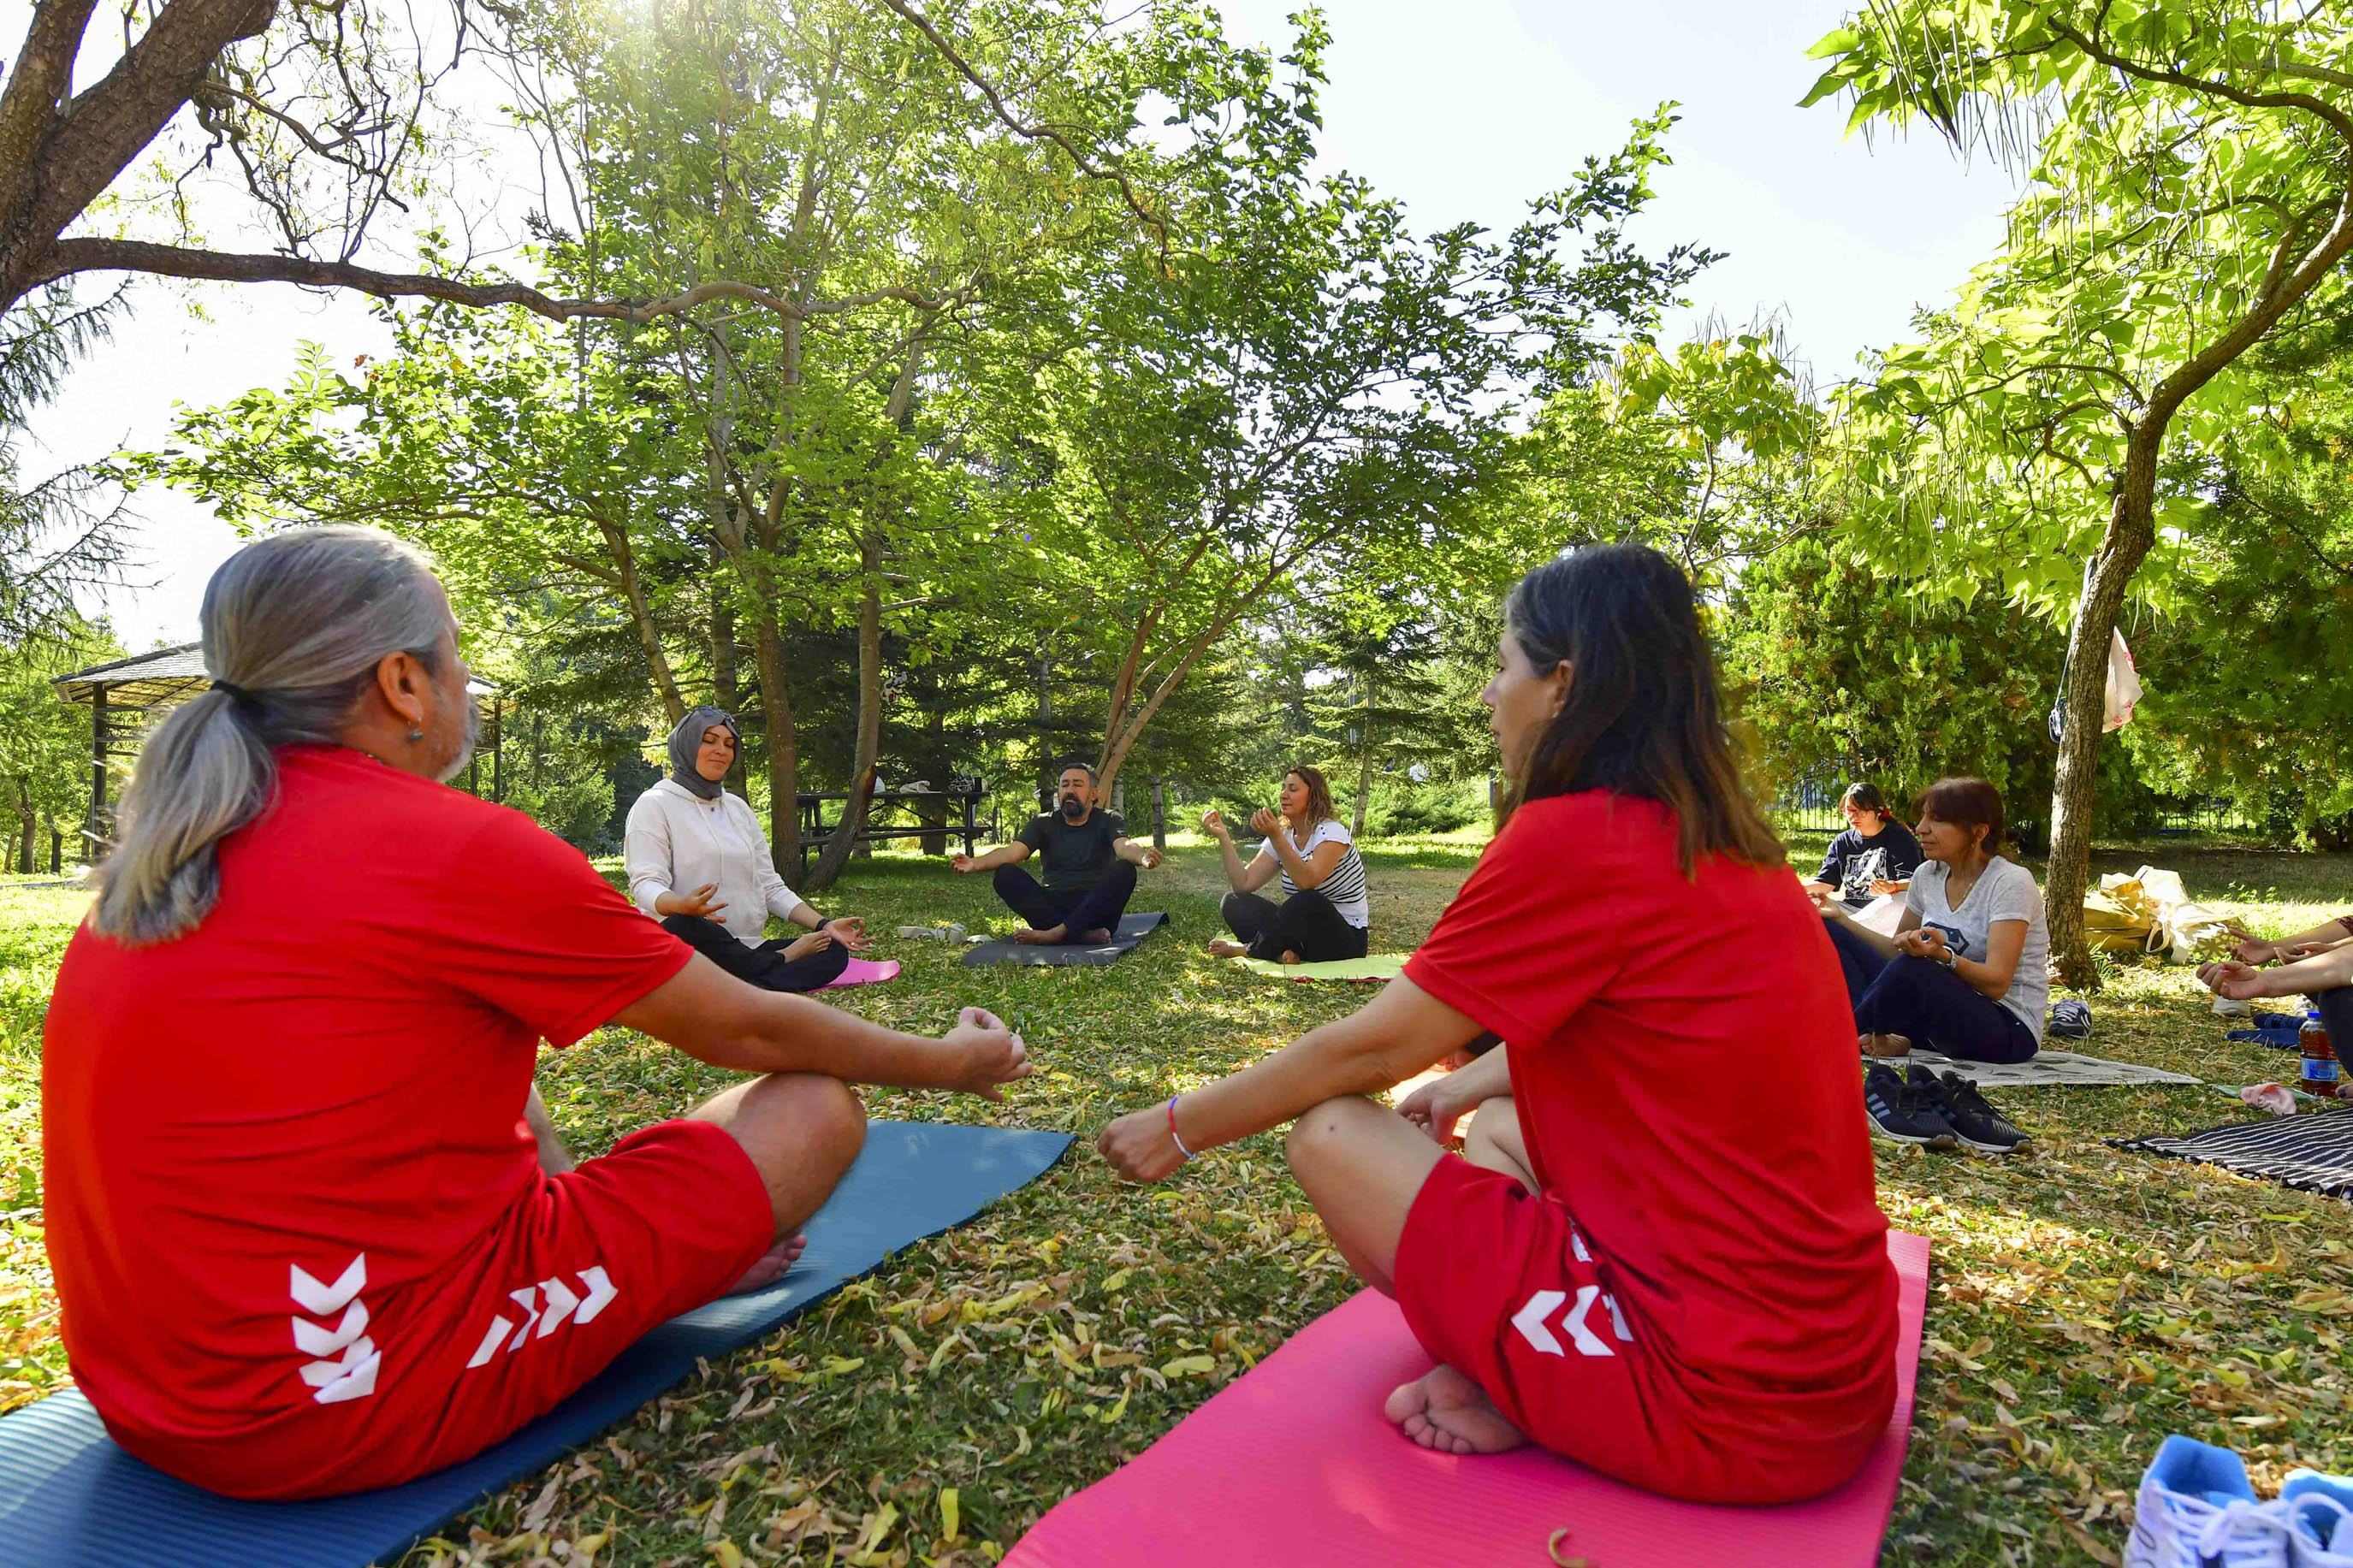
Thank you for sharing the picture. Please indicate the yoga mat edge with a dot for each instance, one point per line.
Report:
(69, 1498)
(1302, 1467)
(1132, 929)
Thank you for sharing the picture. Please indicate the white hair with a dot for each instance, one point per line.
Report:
(296, 623)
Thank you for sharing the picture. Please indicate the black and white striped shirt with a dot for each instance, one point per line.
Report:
(1345, 887)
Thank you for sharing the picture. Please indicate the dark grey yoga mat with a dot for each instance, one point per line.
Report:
(1132, 929)
(70, 1498)
(2313, 1152)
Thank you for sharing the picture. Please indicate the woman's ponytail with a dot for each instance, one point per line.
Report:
(294, 626)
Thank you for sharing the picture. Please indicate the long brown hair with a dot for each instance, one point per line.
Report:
(1642, 715)
(1319, 796)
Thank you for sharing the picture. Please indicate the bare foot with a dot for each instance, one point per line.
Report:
(1288, 957)
(1882, 1045)
(1094, 938)
(1448, 1412)
(1045, 938)
(1221, 948)
(770, 1265)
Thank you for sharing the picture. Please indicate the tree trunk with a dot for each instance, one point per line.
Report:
(2129, 536)
(29, 821)
(1159, 814)
(939, 769)
(776, 722)
(625, 561)
(1365, 764)
(1047, 764)
(869, 719)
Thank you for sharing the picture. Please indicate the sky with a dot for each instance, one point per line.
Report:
(1463, 111)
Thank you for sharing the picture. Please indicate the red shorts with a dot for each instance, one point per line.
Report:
(1498, 1283)
(573, 1276)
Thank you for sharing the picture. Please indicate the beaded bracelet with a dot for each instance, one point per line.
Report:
(1172, 1130)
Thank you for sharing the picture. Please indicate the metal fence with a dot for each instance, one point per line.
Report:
(2208, 819)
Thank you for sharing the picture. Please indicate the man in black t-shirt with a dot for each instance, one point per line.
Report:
(1090, 868)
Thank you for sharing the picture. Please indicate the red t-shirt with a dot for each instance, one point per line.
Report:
(315, 1097)
(1682, 1060)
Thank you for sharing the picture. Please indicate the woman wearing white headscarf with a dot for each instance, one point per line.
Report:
(698, 862)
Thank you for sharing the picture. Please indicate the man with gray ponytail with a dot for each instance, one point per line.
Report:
(310, 1230)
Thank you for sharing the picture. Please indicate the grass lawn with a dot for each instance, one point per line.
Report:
(2083, 1302)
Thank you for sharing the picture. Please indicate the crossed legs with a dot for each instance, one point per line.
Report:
(1362, 1165)
(1067, 914)
(802, 1132)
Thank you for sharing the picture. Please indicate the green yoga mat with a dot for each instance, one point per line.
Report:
(1368, 971)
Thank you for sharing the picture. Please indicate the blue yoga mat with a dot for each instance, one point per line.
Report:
(69, 1497)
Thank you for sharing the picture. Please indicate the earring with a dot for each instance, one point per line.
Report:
(416, 735)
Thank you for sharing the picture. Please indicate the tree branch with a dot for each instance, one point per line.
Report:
(2338, 120)
(98, 133)
(43, 75)
(69, 256)
(1109, 173)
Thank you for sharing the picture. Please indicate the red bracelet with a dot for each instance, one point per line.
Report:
(1172, 1130)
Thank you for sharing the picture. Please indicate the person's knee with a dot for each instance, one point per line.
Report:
(802, 1131)
(1010, 882)
(1320, 1130)
(1234, 909)
(681, 925)
(1121, 875)
(1486, 1133)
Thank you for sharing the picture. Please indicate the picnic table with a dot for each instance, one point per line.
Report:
(964, 791)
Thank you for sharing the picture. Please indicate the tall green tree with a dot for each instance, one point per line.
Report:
(1304, 382)
(2189, 195)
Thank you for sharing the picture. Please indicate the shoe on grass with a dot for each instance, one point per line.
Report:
(2197, 1510)
(2320, 1511)
(1902, 1112)
(1975, 1122)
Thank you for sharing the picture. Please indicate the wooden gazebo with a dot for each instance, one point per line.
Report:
(124, 696)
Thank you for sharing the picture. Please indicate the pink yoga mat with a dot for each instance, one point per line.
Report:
(1293, 1464)
(865, 972)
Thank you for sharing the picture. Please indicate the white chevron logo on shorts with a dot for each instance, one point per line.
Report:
(319, 1299)
(1530, 1320)
(549, 1305)
(527, 1298)
(601, 1291)
(1587, 1343)
(312, 1339)
(352, 1376)
(560, 1302)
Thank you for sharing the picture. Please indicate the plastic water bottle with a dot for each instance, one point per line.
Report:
(2318, 1071)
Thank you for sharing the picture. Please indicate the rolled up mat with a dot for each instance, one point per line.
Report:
(1132, 929)
(70, 1498)
(1373, 969)
(1295, 1463)
(864, 971)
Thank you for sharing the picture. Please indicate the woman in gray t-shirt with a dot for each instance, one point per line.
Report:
(1968, 971)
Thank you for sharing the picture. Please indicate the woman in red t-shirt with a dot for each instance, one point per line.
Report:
(1659, 1253)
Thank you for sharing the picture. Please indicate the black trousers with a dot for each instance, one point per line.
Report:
(1928, 1004)
(1081, 909)
(765, 965)
(1304, 923)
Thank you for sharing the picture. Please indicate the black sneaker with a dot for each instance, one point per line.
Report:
(1904, 1112)
(1974, 1121)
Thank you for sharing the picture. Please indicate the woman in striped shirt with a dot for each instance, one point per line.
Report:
(1326, 912)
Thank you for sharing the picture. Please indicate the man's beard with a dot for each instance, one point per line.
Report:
(466, 749)
(1074, 807)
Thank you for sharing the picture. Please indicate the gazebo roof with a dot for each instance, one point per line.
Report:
(145, 681)
(160, 678)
